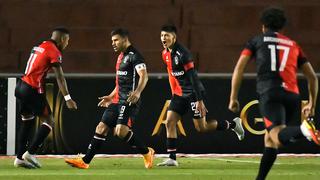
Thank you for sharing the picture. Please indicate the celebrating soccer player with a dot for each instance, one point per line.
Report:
(123, 103)
(277, 58)
(30, 93)
(187, 94)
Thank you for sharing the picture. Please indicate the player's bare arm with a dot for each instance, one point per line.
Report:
(135, 95)
(309, 73)
(234, 105)
(63, 86)
(105, 101)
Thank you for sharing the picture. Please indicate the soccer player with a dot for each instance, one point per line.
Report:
(122, 104)
(187, 94)
(30, 93)
(277, 58)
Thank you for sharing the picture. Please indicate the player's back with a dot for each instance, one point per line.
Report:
(277, 58)
(40, 62)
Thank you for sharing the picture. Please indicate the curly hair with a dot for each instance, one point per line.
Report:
(273, 19)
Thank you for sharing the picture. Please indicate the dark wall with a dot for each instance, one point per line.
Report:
(74, 129)
(215, 31)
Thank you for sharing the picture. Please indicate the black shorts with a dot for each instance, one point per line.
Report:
(278, 107)
(120, 114)
(182, 105)
(30, 101)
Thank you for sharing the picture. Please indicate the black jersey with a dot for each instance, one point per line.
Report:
(178, 62)
(128, 63)
(277, 58)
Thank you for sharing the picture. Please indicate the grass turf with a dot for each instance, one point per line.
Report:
(190, 168)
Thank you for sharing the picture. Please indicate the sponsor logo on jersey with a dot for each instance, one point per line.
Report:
(180, 73)
(122, 73)
(176, 60)
(125, 59)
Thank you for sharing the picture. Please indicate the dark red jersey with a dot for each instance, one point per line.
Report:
(128, 63)
(277, 58)
(41, 60)
(178, 62)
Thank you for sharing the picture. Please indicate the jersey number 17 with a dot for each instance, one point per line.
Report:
(284, 59)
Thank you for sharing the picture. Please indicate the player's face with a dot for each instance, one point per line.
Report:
(64, 41)
(118, 43)
(168, 39)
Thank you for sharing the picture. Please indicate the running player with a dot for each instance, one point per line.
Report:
(30, 93)
(277, 58)
(122, 104)
(187, 94)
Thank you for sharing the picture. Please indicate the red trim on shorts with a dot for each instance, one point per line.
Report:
(130, 122)
(267, 122)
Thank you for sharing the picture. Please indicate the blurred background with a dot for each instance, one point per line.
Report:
(215, 31)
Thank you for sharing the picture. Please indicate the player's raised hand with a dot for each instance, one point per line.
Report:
(133, 97)
(105, 101)
(201, 108)
(71, 104)
(234, 105)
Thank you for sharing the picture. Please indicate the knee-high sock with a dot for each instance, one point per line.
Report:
(23, 135)
(94, 146)
(172, 148)
(135, 142)
(41, 135)
(267, 160)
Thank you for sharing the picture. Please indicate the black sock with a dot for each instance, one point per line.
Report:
(94, 146)
(223, 125)
(23, 136)
(289, 135)
(134, 142)
(172, 148)
(41, 135)
(267, 160)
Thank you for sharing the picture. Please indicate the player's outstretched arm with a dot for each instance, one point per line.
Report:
(234, 105)
(105, 101)
(135, 95)
(311, 76)
(63, 86)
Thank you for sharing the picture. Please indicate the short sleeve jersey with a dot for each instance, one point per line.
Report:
(128, 63)
(277, 59)
(178, 62)
(41, 60)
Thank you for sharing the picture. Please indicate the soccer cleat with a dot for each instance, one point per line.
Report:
(168, 162)
(23, 163)
(148, 158)
(238, 129)
(309, 131)
(77, 162)
(31, 159)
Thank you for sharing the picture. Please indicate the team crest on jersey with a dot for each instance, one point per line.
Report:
(176, 60)
(125, 59)
(60, 58)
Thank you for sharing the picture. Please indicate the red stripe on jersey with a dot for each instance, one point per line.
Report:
(267, 122)
(246, 52)
(290, 63)
(116, 97)
(174, 83)
(188, 66)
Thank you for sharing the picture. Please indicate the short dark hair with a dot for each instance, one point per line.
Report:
(61, 29)
(120, 31)
(169, 28)
(273, 18)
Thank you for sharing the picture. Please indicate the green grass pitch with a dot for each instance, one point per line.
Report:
(291, 168)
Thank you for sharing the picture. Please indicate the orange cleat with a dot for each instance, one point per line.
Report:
(148, 158)
(310, 132)
(77, 162)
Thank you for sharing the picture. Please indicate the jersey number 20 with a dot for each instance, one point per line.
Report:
(284, 59)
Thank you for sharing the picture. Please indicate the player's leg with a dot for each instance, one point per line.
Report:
(107, 122)
(268, 157)
(123, 131)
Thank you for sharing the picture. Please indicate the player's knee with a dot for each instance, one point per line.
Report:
(101, 128)
(122, 131)
(170, 123)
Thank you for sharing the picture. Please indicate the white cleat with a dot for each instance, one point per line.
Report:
(31, 159)
(238, 129)
(168, 162)
(23, 163)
